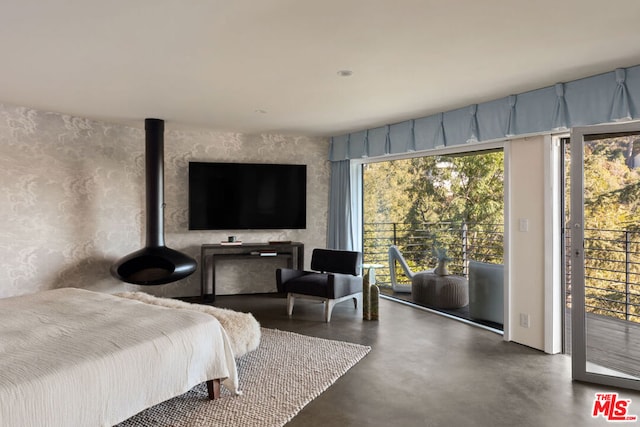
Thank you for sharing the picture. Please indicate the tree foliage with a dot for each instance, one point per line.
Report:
(611, 187)
(612, 229)
(422, 203)
(457, 189)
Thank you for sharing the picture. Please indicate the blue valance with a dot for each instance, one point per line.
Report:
(603, 98)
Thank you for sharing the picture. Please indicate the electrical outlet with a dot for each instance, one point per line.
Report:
(524, 224)
(525, 320)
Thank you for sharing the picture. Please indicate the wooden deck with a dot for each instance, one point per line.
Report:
(611, 343)
(614, 344)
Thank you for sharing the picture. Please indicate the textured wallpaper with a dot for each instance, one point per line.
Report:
(72, 201)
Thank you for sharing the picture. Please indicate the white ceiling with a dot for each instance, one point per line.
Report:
(270, 66)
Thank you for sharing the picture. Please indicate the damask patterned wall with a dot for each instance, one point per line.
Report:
(72, 201)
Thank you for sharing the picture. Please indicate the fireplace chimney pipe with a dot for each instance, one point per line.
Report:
(155, 264)
(154, 179)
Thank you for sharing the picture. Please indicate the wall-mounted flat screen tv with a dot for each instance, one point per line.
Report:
(242, 196)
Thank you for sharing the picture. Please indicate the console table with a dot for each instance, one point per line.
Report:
(211, 253)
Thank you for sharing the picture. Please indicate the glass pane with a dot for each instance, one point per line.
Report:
(566, 246)
(453, 203)
(612, 255)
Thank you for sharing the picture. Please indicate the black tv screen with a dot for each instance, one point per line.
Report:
(231, 196)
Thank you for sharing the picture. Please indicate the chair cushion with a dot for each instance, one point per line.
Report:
(336, 261)
(310, 284)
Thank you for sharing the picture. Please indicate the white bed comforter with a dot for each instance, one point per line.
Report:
(72, 357)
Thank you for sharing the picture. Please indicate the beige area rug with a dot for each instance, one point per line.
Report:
(286, 372)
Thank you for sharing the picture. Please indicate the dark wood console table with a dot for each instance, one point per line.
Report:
(210, 253)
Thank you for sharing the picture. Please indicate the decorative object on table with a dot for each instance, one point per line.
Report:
(370, 298)
(443, 259)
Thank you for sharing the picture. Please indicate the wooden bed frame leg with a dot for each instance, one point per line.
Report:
(213, 387)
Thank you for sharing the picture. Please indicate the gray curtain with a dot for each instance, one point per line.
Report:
(340, 227)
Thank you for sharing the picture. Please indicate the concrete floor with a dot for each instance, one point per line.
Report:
(429, 370)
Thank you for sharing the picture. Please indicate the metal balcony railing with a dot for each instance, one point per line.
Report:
(612, 273)
(462, 241)
(612, 258)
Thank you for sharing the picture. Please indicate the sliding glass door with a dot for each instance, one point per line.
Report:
(605, 254)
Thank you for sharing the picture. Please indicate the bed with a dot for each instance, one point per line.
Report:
(72, 357)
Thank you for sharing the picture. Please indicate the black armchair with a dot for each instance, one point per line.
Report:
(336, 278)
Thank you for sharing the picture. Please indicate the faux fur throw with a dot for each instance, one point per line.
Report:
(242, 329)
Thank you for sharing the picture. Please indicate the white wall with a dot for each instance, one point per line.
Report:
(526, 249)
(72, 200)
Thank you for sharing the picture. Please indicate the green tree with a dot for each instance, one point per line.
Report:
(455, 191)
(422, 203)
(612, 238)
(458, 189)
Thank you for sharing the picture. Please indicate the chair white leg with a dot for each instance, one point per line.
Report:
(328, 308)
(328, 303)
(290, 300)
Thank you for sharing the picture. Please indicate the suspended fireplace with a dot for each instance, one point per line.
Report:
(155, 264)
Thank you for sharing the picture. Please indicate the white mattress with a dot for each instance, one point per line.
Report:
(71, 357)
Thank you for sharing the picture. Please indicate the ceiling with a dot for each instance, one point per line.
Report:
(271, 66)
